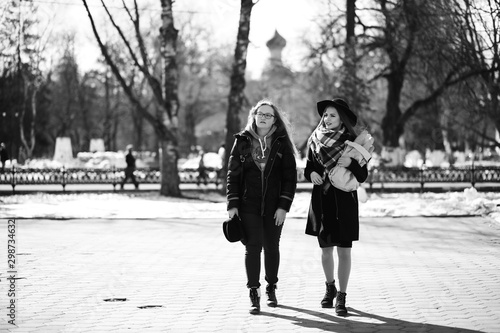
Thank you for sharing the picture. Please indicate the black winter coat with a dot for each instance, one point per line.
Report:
(336, 212)
(261, 192)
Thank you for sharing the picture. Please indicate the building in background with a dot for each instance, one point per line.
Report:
(288, 89)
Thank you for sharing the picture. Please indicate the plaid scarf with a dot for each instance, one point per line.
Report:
(328, 145)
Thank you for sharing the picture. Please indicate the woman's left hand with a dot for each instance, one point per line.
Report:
(344, 161)
(279, 216)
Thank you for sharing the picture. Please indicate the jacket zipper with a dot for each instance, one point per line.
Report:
(263, 194)
(264, 187)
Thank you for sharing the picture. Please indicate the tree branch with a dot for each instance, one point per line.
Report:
(448, 82)
(122, 35)
(153, 82)
(474, 130)
(116, 71)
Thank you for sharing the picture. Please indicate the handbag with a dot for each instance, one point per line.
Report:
(342, 178)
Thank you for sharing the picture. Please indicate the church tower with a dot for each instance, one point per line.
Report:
(274, 69)
(276, 46)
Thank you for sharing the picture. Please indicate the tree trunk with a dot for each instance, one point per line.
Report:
(116, 122)
(236, 94)
(169, 128)
(107, 111)
(28, 143)
(31, 146)
(190, 123)
(138, 126)
(165, 120)
(493, 84)
(168, 168)
(392, 128)
(350, 20)
(350, 81)
(495, 109)
(22, 112)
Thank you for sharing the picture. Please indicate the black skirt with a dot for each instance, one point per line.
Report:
(335, 230)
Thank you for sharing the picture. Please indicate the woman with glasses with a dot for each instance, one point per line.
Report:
(261, 183)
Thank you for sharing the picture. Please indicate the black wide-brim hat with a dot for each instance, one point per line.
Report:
(233, 230)
(338, 103)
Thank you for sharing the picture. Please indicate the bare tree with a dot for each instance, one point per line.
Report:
(350, 60)
(421, 33)
(236, 94)
(164, 119)
(204, 77)
(338, 41)
(417, 47)
(482, 35)
(21, 50)
(65, 91)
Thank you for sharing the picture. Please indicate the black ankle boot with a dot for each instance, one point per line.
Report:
(330, 294)
(254, 300)
(271, 295)
(340, 308)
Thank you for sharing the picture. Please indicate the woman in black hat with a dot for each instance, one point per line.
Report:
(333, 213)
(261, 183)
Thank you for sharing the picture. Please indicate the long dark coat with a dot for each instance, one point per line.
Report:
(336, 212)
(261, 192)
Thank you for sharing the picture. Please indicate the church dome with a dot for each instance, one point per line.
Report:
(276, 42)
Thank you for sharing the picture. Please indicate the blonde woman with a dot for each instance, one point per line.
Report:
(261, 184)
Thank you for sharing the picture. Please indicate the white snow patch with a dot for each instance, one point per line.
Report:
(151, 205)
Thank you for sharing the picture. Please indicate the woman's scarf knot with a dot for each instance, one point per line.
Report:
(328, 145)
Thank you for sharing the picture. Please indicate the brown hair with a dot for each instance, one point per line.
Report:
(345, 121)
(281, 123)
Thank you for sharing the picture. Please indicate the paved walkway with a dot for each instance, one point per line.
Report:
(409, 275)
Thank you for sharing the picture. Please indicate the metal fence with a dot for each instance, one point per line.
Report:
(423, 176)
(114, 176)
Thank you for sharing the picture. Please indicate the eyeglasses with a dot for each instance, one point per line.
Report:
(265, 115)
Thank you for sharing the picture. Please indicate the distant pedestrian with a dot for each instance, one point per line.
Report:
(220, 171)
(333, 214)
(261, 184)
(222, 152)
(130, 169)
(202, 169)
(3, 156)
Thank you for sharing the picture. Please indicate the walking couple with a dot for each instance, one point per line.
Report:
(261, 184)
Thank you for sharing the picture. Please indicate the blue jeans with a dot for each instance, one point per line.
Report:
(261, 232)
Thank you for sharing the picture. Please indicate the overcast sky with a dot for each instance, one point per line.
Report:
(292, 18)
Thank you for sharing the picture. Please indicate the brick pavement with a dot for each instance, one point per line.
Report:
(179, 275)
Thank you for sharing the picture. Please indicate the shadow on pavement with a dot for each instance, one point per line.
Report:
(360, 321)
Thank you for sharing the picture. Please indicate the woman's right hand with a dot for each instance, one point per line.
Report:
(316, 179)
(232, 212)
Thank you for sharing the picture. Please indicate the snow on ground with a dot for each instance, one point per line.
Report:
(149, 205)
